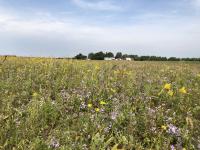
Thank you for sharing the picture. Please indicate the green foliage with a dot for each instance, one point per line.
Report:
(118, 55)
(101, 55)
(80, 56)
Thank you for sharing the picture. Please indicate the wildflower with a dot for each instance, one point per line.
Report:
(102, 103)
(172, 147)
(113, 90)
(97, 109)
(164, 127)
(89, 105)
(107, 129)
(83, 106)
(184, 149)
(102, 110)
(167, 86)
(173, 129)
(54, 143)
(113, 115)
(35, 94)
(97, 67)
(170, 93)
(183, 90)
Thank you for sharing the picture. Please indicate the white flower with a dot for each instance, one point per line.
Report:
(113, 115)
(54, 143)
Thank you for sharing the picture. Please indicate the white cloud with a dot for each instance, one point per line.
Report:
(44, 37)
(97, 5)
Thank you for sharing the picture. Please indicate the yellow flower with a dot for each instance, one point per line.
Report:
(184, 149)
(198, 75)
(89, 105)
(113, 90)
(170, 93)
(102, 103)
(35, 94)
(183, 90)
(97, 67)
(116, 72)
(167, 86)
(164, 127)
(97, 109)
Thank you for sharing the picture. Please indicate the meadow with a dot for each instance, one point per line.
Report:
(95, 105)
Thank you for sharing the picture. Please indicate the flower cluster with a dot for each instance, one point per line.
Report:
(170, 91)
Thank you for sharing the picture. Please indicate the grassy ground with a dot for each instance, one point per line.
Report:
(65, 104)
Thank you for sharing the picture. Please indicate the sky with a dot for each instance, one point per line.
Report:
(64, 28)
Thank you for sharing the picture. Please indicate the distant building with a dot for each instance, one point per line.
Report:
(109, 58)
(129, 59)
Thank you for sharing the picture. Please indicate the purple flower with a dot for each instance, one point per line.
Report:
(102, 110)
(172, 147)
(173, 130)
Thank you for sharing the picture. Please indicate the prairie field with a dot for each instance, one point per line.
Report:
(95, 105)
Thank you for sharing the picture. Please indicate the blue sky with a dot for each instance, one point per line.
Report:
(67, 27)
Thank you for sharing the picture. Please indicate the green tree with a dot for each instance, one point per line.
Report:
(99, 56)
(90, 55)
(118, 55)
(80, 56)
(109, 54)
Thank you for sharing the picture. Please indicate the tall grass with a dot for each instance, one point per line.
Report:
(69, 104)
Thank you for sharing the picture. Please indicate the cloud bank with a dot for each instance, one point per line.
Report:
(148, 34)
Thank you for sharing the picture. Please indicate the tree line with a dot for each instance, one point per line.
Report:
(101, 56)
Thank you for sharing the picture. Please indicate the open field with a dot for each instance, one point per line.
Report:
(69, 104)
